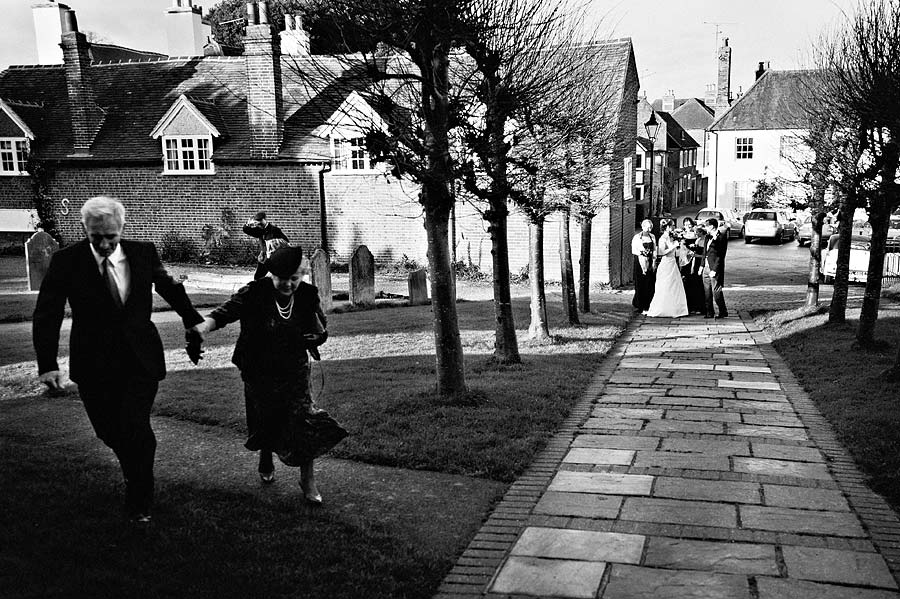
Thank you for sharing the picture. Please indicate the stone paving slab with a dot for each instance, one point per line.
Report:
(585, 455)
(585, 505)
(832, 565)
(581, 545)
(729, 558)
(615, 442)
(634, 582)
(601, 482)
(706, 447)
(667, 459)
(787, 452)
(674, 511)
(707, 490)
(804, 498)
(841, 524)
(780, 588)
(781, 468)
(549, 577)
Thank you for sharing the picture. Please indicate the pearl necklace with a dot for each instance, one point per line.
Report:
(285, 312)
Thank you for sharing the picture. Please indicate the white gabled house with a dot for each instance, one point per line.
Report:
(756, 138)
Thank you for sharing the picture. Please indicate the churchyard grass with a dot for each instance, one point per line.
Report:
(408, 490)
(844, 384)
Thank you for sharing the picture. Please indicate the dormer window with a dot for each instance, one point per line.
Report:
(188, 154)
(13, 155)
(186, 135)
(350, 155)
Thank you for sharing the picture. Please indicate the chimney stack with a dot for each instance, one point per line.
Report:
(85, 114)
(668, 101)
(760, 70)
(294, 39)
(185, 30)
(264, 95)
(723, 85)
(48, 27)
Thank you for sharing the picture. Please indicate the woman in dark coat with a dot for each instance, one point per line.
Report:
(281, 320)
(690, 271)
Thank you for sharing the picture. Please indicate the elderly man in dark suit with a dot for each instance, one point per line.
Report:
(713, 263)
(116, 354)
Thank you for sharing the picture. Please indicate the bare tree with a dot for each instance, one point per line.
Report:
(863, 79)
(413, 98)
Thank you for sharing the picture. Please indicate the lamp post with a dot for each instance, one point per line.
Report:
(652, 127)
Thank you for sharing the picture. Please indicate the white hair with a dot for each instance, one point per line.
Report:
(103, 208)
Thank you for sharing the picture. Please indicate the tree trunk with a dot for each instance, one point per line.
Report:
(815, 260)
(566, 271)
(449, 363)
(838, 311)
(538, 330)
(584, 265)
(879, 219)
(506, 347)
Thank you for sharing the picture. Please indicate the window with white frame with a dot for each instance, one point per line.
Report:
(639, 161)
(629, 178)
(350, 154)
(742, 195)
(13, 156)
(188, 154)
(744, 148)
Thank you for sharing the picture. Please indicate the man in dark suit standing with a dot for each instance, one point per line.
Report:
(716, 246)
(116, 354)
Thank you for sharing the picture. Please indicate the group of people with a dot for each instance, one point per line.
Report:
(116, 354)
(682, 272)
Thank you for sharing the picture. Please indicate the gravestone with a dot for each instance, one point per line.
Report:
(362, 277)
(320, 265)
(38, 251)
(418, 287)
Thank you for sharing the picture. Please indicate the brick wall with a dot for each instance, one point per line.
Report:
(156, 204)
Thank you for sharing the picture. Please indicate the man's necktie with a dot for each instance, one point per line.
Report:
(111, 284)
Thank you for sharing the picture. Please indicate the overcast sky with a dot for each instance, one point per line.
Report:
(674, 40)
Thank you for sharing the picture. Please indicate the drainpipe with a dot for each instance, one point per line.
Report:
(323, 214)
(715, 174)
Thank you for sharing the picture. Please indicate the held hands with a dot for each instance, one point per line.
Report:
(194, 338)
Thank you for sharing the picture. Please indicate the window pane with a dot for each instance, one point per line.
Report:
(172, 163)
(6, 157)
(21, 155)
(203, 162)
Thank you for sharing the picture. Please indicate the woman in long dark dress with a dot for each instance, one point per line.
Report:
(643, 249)
(690, 270)
(281, 320)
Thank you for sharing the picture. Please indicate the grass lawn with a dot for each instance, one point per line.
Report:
(845, 386)
(404, 493)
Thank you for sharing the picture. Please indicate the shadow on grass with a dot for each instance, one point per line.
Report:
(846, 386)
(395, 418)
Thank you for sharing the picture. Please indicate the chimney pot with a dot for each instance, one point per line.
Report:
(288, 22)
(263, 14)
(70, 23)
(252, 14)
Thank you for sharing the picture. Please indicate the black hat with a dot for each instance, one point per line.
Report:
(285, 261)
(260, 215)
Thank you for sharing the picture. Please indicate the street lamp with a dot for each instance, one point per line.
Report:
(652, 127)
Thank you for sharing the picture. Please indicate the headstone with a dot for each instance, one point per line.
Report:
(320, 265)
(362, 277)
(38, 251)
(418, 287)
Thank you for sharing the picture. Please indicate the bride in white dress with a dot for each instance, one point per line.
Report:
(668, 298)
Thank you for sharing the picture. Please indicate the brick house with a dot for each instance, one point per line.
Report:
(676, 179)
(205, 140)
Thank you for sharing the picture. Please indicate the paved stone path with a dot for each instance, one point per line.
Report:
(695, 466)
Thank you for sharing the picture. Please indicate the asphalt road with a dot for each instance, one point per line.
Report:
(765, 263)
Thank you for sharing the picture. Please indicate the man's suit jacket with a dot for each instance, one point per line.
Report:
(99, 327)
(715, 250)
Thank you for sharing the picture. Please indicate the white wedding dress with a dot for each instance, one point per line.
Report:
(669, 299)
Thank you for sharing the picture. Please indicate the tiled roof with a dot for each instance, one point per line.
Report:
(694, 114)
(774, 101)
(676, 136)
(136, 95)
(112, 53)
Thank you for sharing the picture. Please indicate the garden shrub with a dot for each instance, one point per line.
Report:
(175, 247)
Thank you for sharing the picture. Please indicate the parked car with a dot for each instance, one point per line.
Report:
(859, 261)
(805, 231)
(769, 223)
(728, 219)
